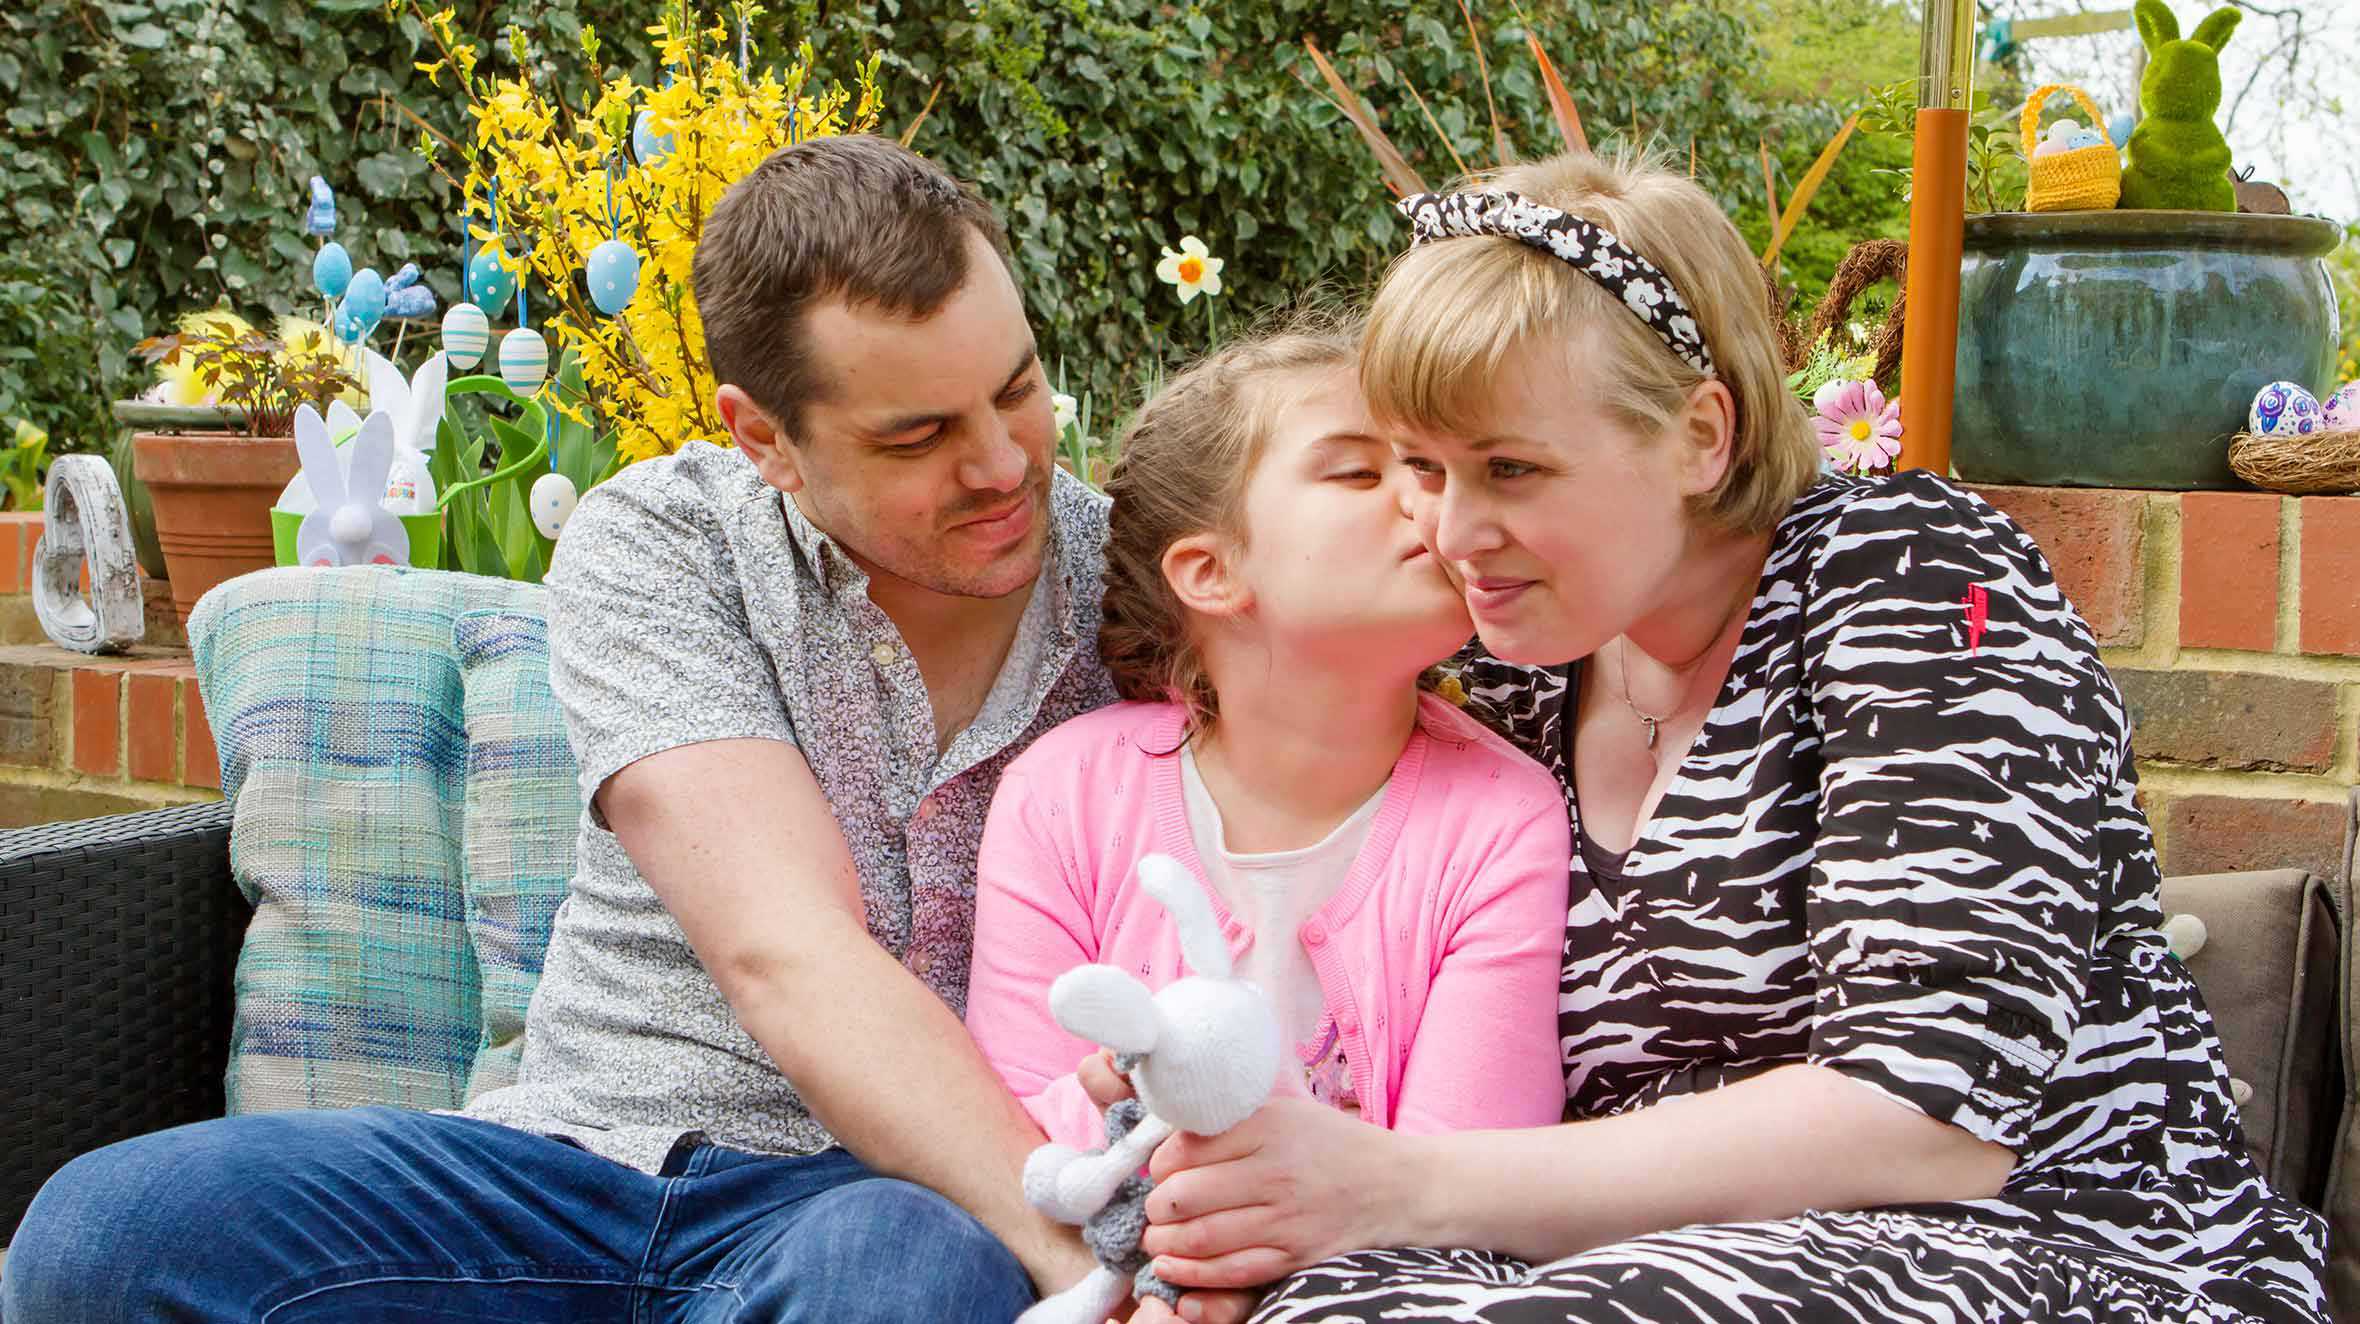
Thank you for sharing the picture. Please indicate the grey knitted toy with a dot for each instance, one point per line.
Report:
(1113, 1233)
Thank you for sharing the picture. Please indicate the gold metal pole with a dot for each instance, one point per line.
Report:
(1937, 232)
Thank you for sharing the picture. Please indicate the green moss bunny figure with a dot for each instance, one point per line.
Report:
(2178, 159)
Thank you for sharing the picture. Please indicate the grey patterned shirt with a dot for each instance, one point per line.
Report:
(690, 601)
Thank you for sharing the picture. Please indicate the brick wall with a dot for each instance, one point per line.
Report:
(2231, 620)
(84, 735)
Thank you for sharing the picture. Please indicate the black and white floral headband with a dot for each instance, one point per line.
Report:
(1584, 245)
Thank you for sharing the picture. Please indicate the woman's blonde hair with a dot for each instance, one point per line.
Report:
(1181, 469)
(1450, 311)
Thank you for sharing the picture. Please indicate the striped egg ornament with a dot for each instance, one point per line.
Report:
(467, 333)
(524, 360)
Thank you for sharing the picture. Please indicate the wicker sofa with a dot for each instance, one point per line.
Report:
(119, 939)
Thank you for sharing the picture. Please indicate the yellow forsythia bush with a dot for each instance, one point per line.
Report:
(643, 164)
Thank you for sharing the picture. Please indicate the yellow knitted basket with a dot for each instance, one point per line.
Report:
(2084, 179)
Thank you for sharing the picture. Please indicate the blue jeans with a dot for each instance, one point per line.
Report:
(376, 1214)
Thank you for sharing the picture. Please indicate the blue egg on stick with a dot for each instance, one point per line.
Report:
(613, 274)
(489, 284)
(363, 306)
(331, 270)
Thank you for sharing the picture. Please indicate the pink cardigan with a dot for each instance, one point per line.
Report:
(1439, 954)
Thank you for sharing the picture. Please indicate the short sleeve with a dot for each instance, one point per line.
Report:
(650, 648)
(1969, 738)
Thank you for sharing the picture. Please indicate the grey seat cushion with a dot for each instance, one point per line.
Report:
(2269, 972)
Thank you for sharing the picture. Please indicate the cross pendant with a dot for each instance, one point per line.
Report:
(1651, 725)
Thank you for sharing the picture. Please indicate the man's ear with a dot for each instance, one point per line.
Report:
(1197, 568)
(1705, 431)
(760, 437)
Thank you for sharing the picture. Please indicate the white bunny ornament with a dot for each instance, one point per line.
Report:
(1202, 1054)
(348, 523)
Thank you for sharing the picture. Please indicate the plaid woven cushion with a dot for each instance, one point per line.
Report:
(524, 807)
(338, 704)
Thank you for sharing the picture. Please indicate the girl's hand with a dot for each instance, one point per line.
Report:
(1105, 1086)
(1197, 1308)
(1290, 1186)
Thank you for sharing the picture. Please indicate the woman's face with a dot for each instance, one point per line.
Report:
(1331, 563)
(1562, 525)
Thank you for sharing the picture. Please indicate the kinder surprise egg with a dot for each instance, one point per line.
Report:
(613, 273)
(331, 270)
(524, 361)
(2283, 409)
(466, 334)
(2341, 412)
(489, 284)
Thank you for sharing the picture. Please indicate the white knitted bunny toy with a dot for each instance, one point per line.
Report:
(1203, 1054)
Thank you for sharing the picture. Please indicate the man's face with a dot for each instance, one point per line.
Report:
(926, 452)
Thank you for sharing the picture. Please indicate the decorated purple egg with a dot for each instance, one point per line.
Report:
(2341, 411)
(2283, 409)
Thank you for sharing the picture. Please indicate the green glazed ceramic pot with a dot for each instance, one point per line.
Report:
(2123, 348)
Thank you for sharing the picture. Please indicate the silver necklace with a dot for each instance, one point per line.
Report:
(1622, 657)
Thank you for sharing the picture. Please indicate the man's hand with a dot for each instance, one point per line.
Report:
(761, 882)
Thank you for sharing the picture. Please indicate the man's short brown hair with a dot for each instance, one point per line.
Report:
(853, 217)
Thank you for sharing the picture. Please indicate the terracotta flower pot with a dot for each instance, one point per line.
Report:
(213, 493)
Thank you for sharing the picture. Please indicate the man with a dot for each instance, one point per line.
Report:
(792, 672)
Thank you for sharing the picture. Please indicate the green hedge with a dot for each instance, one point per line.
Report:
(158, 148)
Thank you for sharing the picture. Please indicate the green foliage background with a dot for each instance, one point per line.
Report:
(157, 149)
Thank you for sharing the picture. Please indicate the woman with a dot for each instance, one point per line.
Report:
(1864, 1011)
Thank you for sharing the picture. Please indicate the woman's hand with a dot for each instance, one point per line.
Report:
(1198, 1308)
(1105, 1085)
(1288, 1187)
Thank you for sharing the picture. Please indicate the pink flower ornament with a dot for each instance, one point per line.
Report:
(1858, 428)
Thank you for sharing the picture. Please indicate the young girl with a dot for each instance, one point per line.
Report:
(1389, 872)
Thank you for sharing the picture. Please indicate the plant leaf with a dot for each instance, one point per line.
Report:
(1806, 186)
(1569, 117)
(1399, 177)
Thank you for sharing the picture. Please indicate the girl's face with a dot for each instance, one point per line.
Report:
(1562, 524)
(1331, 564)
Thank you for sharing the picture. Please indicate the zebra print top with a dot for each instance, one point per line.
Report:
(1905, 847)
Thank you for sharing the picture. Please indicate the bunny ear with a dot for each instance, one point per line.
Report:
(1169, 882)
(342, 421)
(2156, 24)
(323, 465)
(426, 403)
(2214, 31)
(388, 389)
(372, 459)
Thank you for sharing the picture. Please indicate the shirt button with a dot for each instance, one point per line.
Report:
(926, 809)
(882, 655)
(1347, 1027)
(1315, 933)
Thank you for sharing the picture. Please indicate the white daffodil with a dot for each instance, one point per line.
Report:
(1193, 270)
(1065, 409)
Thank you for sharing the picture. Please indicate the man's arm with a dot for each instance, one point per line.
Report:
(739, 842)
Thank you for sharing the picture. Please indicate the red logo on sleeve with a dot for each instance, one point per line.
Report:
(1978, 605)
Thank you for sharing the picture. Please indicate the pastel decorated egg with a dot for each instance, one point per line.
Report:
(2283, 409)
(467, 333)
(490, 285)
(2341, 411)
(524, 360)
(552, 503)
(2084, 138)
(2118, 129)
(362, 308)
(613, 273)
(331, 270)
(647, 145)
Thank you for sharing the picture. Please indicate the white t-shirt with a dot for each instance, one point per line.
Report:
(1272, 894)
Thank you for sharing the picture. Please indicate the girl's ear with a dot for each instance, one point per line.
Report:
(1198, 567)
(2214, 31)
(2156, 24)
(1705, 431)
